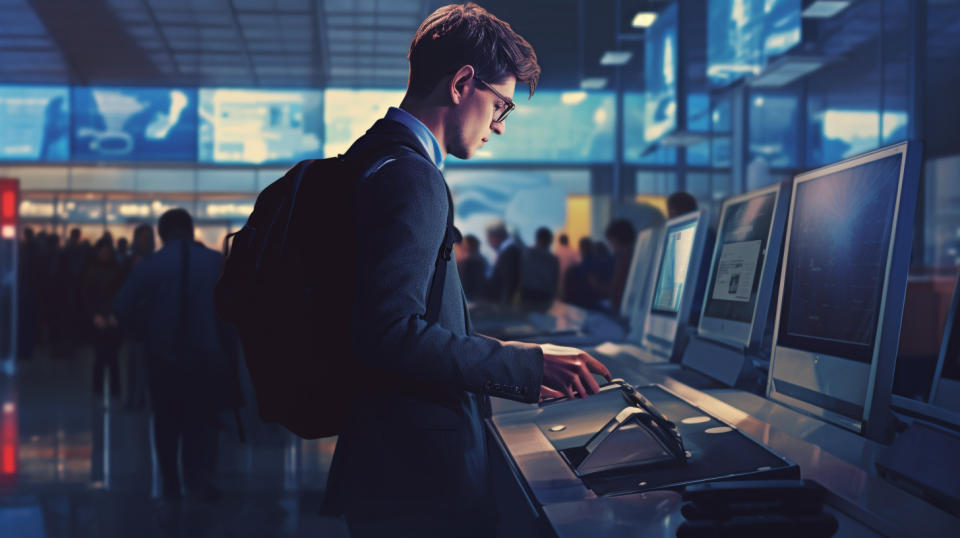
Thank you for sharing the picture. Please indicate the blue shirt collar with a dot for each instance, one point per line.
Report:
(420, 130)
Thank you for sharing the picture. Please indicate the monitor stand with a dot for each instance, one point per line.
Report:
(730, 366)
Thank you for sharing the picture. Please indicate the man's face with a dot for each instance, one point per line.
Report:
(473, 118)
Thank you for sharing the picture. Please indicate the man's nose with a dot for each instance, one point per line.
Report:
(499, 127)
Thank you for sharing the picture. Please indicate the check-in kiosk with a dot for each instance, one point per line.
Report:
(636, 295)
(740, 284)
(923, 458)
(843, 282)
(674, 294)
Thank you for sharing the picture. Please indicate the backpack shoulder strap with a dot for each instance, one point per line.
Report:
(451, 234)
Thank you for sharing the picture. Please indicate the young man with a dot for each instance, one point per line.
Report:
(411, 459)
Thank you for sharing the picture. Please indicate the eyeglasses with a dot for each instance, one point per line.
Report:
(508, 103)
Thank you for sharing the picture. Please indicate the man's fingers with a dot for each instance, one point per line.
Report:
(587, 378)
(547, 392)
(568, 390)
(596, 366)
(579, 386)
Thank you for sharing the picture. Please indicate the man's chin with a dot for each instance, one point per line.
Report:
(463, 153)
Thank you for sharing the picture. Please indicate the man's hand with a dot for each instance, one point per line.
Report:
(568, 372)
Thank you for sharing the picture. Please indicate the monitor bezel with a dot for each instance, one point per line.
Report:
(737, 333)
(929, 408)
(660, 330)
(872, 419)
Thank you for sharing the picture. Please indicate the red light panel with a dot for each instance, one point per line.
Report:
(8, 199)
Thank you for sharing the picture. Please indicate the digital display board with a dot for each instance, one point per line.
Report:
(586, 120)
(34, 123)
(744, 34)
(782, 23)
(349, 113)
(254, 126)
(677, 249)
(134, 124)
(660, 75)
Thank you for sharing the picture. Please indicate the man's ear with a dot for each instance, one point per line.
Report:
(458, 83)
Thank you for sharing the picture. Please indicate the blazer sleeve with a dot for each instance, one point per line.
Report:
(401, 215)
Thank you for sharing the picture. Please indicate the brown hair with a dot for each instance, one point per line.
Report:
(466, 34)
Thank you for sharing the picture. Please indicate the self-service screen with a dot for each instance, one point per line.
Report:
(671, 279)
(742, 244)
(838, 248)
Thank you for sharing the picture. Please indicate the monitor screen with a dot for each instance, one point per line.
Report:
(255, 126)
(951, 349)
(741, 244)
(838, 247)
(660, 75)
(948, 384)
(671, 279)
(34, 123)
(134, 124)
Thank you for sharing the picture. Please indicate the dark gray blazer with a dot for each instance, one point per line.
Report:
(415, 445)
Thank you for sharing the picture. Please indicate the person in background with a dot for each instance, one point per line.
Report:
(67, 317)
(472, 267)
(577, 288)
(136, 398)
(101, 280)
(27, 282)
(539, 272)
(620, 235)
(191, 354)
(567, 257)
(680, 203)
(123, 253)
(504, 279)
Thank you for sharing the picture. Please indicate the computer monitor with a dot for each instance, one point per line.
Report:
(939, 397)
(842, 287)
(636, 296)
(674, 289)
(743, 271)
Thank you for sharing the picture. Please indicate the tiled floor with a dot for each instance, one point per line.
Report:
(72, 466)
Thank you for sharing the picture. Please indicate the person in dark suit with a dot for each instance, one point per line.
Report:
(411, 459)
(473, 267)
(190, 353)
(539, 272)
(504, 281)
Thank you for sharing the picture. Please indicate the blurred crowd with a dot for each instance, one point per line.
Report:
(66, 292)
(593, 275)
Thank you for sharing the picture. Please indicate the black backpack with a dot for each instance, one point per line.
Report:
(288, 286)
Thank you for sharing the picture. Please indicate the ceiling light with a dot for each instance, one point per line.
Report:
(593, 83)
(643, 19)
(824, 9)
(616, 57)
(787, 69)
